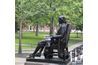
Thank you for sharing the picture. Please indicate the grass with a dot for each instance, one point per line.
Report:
(29, 39)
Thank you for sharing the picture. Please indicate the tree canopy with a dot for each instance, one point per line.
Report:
(41, 11)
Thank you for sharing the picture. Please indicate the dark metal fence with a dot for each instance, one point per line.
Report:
(77, 55)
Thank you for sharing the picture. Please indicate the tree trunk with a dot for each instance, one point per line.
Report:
(51, 20)
(37, 29)
(51, 25)
(20, 37)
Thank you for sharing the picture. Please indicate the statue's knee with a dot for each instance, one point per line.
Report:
(40, 44)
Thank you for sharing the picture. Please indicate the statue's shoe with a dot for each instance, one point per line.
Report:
(31, 56)
(38, 54)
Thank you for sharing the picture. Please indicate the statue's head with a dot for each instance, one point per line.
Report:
(61, 19)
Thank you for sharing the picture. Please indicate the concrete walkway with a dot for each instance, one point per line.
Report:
(20, 59)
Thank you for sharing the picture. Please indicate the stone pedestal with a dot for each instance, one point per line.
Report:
(55, 60)
(37, 63)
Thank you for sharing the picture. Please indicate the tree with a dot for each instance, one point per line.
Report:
(20, 16)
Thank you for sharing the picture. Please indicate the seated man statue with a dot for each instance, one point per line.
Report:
(53, 39)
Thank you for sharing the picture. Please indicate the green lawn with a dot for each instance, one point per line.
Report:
(29, 39)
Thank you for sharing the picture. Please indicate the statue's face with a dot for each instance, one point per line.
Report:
(61, 20)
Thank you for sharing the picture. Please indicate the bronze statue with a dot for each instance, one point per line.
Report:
(60, 40)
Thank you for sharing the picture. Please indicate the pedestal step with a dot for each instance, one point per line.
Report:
(54, 60)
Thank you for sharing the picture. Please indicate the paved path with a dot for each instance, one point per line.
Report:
(20, 59)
